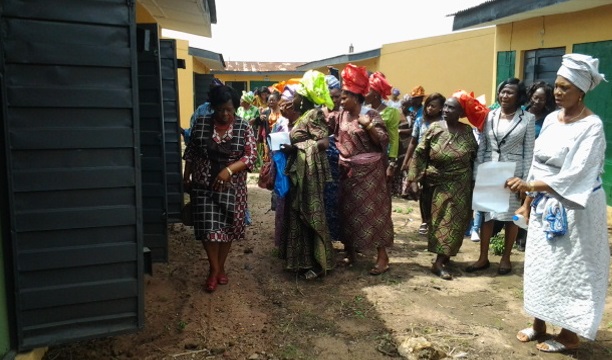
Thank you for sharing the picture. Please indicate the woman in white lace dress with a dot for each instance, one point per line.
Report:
(567, 257)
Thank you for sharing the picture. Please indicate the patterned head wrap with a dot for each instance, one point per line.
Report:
(332, 82)
(396, 92)
(248, 97)
(314, 87)
(474, 110)
(379, 83)
(355, 79)
(289, 92)
(581, 70)
(418, 91)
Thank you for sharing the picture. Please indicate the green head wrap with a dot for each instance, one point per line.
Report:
(248, 97)
(314, 87)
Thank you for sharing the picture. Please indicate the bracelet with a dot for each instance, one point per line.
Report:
(370, 125)
(531, 186)
(229, 171)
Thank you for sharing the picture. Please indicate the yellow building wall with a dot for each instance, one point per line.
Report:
(185, 83)
(370, 64)
(143, 16)
(444, 64)
(554, 31)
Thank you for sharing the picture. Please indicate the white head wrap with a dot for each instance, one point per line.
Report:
(581, 70)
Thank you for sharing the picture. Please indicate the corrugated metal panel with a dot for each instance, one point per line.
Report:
(174, 168)
(201, 84)
(69, 114)
(152, 145)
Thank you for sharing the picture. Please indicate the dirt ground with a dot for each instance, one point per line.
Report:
(267, 313)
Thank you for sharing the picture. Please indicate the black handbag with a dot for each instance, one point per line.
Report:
(187, 214)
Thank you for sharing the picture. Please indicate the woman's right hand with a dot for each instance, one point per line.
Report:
(186, 185)
(412, 190)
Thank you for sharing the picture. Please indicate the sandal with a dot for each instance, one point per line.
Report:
(222, 279)
(442, 273)
(211, 284)
(553, 346)
(378, 271)
(424, 229)
(311, 275)
(528, 334)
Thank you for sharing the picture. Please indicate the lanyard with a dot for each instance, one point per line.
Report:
(503, 139)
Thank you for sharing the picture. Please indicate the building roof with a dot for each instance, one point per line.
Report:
(341, 59)
(257, 67)
(190, 16)
(212, 60)
(497, 12)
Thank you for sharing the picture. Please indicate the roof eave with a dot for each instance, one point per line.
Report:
(189, 16)
(211, 59)
(501, 12)
(341, 59)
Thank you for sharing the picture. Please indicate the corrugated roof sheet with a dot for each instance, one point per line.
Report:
(258, 66)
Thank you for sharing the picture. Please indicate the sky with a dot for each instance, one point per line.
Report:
(310, 30)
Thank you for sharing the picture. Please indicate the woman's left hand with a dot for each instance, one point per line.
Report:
(223, 181)
(287, 148)
(516, 184)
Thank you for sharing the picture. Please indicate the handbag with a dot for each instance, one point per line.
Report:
(266, 176)
(187, 214)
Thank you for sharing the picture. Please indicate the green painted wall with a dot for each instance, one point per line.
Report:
(598, 100)
(5, 340)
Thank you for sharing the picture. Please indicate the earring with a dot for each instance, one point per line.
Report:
(579, 99)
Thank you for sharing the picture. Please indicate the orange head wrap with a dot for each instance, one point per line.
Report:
(379, 83)
(475, 112)
(355, 79)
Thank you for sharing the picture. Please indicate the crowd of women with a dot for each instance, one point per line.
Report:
(348, 150)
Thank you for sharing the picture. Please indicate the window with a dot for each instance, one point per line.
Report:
(542, 64)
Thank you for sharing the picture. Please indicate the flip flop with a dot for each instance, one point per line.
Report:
(376, 271)
(311, 275)
(556, 347)
(442, 273)
(529, 333)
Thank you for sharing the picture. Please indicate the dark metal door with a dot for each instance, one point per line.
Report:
(71, 191)
(174, 169)
(201, 85)
(152, 144)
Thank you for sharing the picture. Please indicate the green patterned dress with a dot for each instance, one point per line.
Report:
(444, 162)
(305, 242)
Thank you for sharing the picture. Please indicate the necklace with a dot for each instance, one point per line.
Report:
(572, 119)
(219, 127)
(508, 115)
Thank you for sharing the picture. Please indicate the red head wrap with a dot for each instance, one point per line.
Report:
(355, 79)
(379, 83)
(475, 112)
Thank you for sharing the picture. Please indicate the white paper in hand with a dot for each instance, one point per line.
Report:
(489, 191)
(277, 139)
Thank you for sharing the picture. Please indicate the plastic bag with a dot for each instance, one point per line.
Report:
(281, 183)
